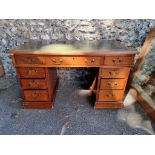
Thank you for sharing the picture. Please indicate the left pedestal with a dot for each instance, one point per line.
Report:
(38, 86)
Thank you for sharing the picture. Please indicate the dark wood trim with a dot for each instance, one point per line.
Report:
(135, 91)
(143, 52)
(143, 100)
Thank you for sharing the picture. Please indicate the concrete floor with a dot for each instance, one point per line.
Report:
(73, 113)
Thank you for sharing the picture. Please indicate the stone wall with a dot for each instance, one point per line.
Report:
(15, 32)
(145, 77)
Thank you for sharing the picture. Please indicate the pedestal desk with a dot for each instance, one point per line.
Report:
(36, 63)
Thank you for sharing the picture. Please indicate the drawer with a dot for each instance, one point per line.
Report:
(74, 61)
(36, 95)
(28, 59)
(31, 72)
(114, 72)
(33, 83)
(118, 60)
(110, 95)
(112, 83)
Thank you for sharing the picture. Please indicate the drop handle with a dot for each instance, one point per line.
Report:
(109, 95)
(57, 62)
(112, 84)
(34, 95)
(117, 60)
(31, 72)
(29, 60)
(113, 73)
(93, 60)
(33, 84)
(90, 61)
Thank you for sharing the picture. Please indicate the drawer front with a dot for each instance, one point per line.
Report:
(110, 95)
(28, 60)
(33, 84)
(114, 72)
(31, 72)
(118, 60)
(36, 95)
(112, 83)
(74, 61)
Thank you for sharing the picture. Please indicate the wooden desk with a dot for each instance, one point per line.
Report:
(36, 64)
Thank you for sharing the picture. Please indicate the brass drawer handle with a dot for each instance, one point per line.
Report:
(117, 60)
(33, 84)
(57, 62)
(109, 95)
(32, 72)
(35, 95)
(112, 84)
(113, 73)
(90, 61)
(29, 60)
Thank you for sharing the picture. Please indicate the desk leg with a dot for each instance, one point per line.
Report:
(92, 87)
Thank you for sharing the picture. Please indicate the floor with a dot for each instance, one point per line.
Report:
(73, 114)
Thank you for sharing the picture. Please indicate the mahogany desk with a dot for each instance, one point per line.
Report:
(36, 64)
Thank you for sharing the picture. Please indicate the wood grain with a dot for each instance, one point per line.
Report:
(36, 95)
(31, 72)
(112, 83)
(36, 65)
(110, 95)
(118, 60)
(34, 83)
(114, 72)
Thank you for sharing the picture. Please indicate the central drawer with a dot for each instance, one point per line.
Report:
(33, 83)
(73, 61)
(36, 95)
(112, 83)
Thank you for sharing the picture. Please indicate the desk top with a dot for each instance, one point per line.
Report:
(101, 47)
